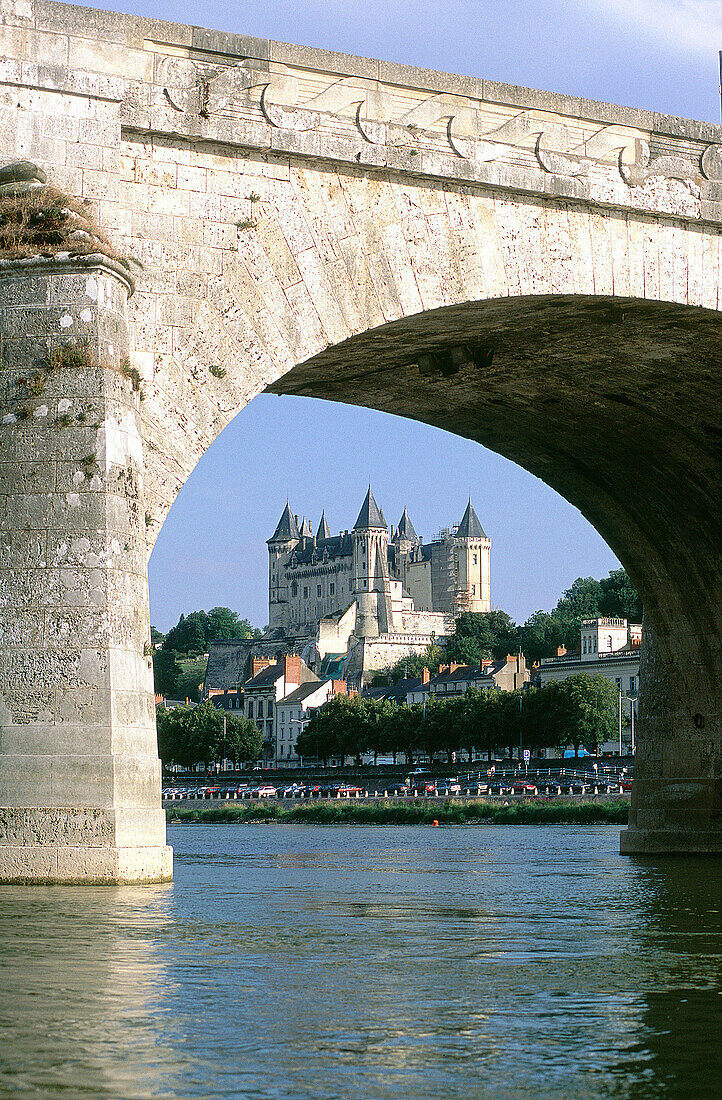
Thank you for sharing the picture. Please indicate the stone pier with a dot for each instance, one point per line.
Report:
(79, 771)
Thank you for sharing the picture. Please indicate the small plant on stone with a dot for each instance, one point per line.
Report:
(131, 373)
(71, 356)
(148, 519)
(37, 384)
(24, 412)
(253, 197)
(247, 223)
(62, 421)
(89, 462)
(216, 371)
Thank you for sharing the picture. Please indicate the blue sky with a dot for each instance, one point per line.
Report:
(653, 54)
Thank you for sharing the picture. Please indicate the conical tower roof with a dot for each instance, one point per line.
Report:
(470, 528)
(324, 531)
(370, 514)
(306, 531)
(406, 528)
(287, 527)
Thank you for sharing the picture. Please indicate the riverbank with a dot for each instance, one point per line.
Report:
(608, 811)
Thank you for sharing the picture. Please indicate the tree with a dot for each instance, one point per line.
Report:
(191, 735)
(167, 673)
(413, 664)
(619, 598)
(590, 711)
(155, 636)
(540, 636)
(336, 729)
(403, 731)
(189, 635)
(194, 632)
(480, 635)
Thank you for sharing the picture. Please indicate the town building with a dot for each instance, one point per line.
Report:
(270, 682)
(294, 711)
(607, 647)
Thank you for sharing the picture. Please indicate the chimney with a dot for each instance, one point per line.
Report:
(561, 651)
(510, 657)
(425, 675)
(259, 663)
(453, 665)
(338, 687)
(292, 668)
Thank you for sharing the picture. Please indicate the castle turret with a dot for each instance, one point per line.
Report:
(371, 585)
(280, 547)
(473, 553)
(324, 531)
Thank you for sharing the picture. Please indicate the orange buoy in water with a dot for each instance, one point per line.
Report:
(435, 821)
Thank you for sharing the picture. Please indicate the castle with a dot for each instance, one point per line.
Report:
(370, 597)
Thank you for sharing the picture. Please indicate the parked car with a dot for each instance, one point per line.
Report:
(265, 791)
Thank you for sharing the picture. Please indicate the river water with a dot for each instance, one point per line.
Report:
(370, 962)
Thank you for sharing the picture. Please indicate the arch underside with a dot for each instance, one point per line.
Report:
(613, 402)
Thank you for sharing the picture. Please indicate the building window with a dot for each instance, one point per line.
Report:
(250, 708)
(584, 645)
(318, 590)
(332, 589)
(305, 591)
(473, 589)
(619, 682)
(474, 559)
(632, 683)
(294, 589)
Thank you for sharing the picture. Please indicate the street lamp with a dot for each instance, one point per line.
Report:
(632, 696)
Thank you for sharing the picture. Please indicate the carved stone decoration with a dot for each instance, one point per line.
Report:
(458, 121)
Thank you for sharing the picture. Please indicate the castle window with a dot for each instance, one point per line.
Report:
(318, 590)
(305, 591)
(260, 708)
(250, 708)
(294, 589)
(332, 589)
(584, 646)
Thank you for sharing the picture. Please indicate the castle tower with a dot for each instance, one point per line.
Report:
(473, 553)
(280, 546)
(371, 585)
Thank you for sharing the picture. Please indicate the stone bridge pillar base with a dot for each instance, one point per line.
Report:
(80, 778)
(676, 806)
(54, 864)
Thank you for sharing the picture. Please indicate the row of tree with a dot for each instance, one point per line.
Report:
(203, 734)
(580, 711)
(493, 634)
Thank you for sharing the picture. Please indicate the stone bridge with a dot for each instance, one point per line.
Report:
(537, 272)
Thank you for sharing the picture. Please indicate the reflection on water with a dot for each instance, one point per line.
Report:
(296, 961)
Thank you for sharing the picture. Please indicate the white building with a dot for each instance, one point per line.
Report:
(608, 647)
(294, 711)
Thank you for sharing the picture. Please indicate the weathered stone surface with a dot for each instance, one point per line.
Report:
(79, 773)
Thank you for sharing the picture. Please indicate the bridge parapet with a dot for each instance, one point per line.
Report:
(147, 78)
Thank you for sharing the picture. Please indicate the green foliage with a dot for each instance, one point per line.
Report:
(194, 632)
(412, 665)
(480, 635)
(155, 636)
(579, 711)
(216, 371)
(166, 673)
(192, 735)
(612, 811)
